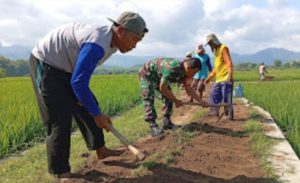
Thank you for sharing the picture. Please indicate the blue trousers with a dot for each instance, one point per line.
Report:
(220, 94)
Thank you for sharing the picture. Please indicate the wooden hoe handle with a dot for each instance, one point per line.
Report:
(211, 105)
(124, 141)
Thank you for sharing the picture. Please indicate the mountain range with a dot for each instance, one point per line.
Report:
(268, 56)
(15, 52)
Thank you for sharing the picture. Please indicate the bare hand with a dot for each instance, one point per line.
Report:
(178, 103)
(204, 103)
(103, 121)
(206, 81)
(202, 87)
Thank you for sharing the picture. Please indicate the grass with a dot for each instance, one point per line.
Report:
(170, 156)
(144, 169)
(149, 165)
(260, 145)
(140, 171)
(198, 114)
(186, 134)
(31, 166)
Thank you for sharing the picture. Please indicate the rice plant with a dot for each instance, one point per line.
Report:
(281, 99)
(20, 122)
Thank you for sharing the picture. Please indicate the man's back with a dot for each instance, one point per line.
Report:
(61, 46)
(168, 68)
(261, 69)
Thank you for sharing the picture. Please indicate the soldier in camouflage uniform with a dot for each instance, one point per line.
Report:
(157, 74)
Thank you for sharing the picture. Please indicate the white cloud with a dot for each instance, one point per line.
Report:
(176, 26)
(247, 28)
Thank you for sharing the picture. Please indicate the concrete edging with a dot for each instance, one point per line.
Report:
(283, 159)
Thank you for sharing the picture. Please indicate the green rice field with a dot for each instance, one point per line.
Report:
(20, 123)
(281, 99)
(279, 75)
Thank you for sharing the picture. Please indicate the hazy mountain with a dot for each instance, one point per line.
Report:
(127, 60)
(268, 56)
(15, 52)
(130, 61)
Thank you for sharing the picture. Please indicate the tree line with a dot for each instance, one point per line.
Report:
(21, 67)
(277, 64)
(13, 67)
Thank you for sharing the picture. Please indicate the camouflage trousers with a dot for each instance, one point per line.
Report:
(148, 93)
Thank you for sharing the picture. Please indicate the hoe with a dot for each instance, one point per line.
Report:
(141, 156)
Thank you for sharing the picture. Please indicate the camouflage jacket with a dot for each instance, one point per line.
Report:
(163, 70)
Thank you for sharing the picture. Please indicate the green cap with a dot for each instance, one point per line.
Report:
(132, 22)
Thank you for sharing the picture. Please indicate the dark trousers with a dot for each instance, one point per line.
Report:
(58, 105)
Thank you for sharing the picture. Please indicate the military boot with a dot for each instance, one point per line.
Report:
(155, 130)
(168, 125)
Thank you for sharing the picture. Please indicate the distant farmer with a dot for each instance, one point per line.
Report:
(200, 76)
(158, 74)
(223, 70)
(262, 71)
(62, 64)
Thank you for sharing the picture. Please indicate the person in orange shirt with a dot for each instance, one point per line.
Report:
(223, 70)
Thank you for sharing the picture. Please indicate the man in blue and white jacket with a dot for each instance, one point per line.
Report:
(61, 67)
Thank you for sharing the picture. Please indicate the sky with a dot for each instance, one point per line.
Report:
(175, 26)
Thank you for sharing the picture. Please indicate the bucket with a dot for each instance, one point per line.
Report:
(239, 90)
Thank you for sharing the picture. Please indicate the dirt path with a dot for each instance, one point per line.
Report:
(204, 151)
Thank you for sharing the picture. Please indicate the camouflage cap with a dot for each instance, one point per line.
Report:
(132, 22)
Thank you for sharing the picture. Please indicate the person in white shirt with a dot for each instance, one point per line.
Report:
(262, 71)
